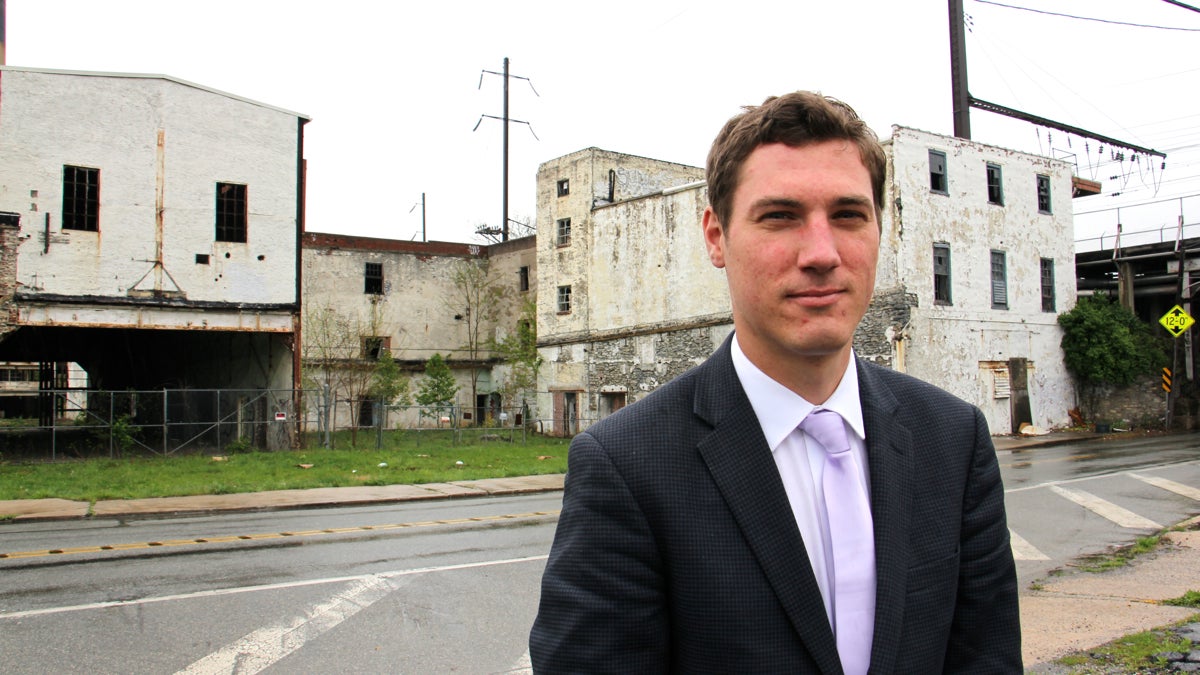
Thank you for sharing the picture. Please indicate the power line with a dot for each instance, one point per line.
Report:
(1089, 18)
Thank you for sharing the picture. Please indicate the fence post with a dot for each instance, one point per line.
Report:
(218, 421)
(164, 425)
(328, 420)
(378, 405)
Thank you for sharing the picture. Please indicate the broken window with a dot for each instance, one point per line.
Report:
(941, 274)
(564, 231)
(995, 187)
(1043, 193)
(81, 199)
(373, 346)
(373, 279)
(523, 279)
(611, 402)
(564, 299)
(231, 212)
(564, 187)
(937, 172)
(999, 281)
(1047, 284)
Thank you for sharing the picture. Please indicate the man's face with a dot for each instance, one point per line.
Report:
(799, 253)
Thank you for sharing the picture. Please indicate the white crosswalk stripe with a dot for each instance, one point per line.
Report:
(1106, 509)
(1023, 550)
(1167, 484)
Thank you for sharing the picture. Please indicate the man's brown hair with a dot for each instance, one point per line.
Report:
(796, 119)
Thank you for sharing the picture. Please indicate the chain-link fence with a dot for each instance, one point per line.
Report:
(160, 422)
(98, 423)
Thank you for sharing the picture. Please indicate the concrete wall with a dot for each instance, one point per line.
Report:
(419, 311)
(607, 295)
(116, 124)
(964, 346)
(198, 310)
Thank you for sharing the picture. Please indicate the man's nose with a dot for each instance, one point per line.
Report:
(818, 249)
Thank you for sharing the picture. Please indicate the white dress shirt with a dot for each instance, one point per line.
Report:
(801, 464)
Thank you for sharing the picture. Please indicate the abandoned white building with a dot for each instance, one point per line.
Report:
(630, 299)
(414, 299)
(591, 275)
(151, 230)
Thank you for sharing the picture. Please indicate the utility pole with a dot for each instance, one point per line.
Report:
(505, 119)
(958, 72)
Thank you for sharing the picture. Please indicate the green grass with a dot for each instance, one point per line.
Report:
(409, 458)
(1121, 557)
(1189, 599)
(1129, 654)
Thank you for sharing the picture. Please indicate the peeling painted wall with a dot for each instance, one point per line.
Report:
(955, 345)
(595, 179)
(652, 305)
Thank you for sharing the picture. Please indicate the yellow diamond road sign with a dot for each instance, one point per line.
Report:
(1176, 321)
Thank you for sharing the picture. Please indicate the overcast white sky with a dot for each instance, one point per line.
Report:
(393, 87)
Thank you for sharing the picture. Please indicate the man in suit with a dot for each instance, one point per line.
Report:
(714, 527)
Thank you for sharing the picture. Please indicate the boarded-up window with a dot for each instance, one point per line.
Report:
(999, 281)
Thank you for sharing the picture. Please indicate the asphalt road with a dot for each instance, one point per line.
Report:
(434, 587)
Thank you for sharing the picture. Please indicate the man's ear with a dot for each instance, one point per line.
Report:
(714, 237)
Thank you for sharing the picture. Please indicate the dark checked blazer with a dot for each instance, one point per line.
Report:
(677, 551)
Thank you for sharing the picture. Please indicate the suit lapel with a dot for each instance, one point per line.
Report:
(744, 471)
(889, 455)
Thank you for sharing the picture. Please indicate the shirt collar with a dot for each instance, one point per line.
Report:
(780, 410)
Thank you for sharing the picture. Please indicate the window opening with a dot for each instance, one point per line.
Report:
(941, 274)
(81, 199)
(1043, 193)
(523, 279)
(373, 278)
(937, 172)
(564, 187)
(999, 281)
(995, 186)
(1047, 284)
(564, 299)
(231, 212)
(564, 232)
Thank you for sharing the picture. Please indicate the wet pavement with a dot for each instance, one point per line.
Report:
(1059, 615)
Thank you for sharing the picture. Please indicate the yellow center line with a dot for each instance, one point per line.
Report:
(269, 535)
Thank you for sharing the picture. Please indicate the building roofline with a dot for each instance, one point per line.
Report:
(153, 76)
(971, 141)
(620, 154)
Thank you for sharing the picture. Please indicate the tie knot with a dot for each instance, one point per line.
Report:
(828, 429)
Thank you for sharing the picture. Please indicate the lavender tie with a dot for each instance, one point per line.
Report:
(851, 554)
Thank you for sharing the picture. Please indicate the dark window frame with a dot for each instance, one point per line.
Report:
(995, 184)
(941, 276)
(523, 278)
(1047, 276)
(999, 276)
(81, 211)
(939, 180)
(231, 212)
(373, 278)
(564, 187)
(1043, 194)
(564, 299)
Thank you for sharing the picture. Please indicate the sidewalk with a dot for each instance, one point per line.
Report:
(1067, 613)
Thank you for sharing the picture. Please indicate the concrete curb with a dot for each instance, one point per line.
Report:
(26, 510)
